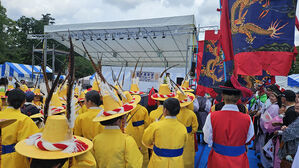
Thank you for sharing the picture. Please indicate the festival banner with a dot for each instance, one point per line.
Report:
(147, 76)
(200, 46)
(212, 68)
(249, 81)
(259, 35)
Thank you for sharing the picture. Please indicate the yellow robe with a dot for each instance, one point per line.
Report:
(85, 127)
(188, 119)
(191, 107)
(114, 149)
(155, 114)
(82, 110)
(85, 160)
(166, 134)
(12, 134)
(140, 114)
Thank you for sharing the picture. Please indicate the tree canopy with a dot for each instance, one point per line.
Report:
(15, 47)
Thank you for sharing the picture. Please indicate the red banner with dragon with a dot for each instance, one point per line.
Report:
(259, 35)
(212, 66)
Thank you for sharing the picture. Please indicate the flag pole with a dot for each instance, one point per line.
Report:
(224, 65)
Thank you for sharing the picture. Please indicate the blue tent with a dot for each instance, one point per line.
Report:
(9, 69)
(293, 80)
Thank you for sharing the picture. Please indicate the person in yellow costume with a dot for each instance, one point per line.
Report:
(186, 88)
(38, 98)
(4, 123)
(163, 94)
(2, 100)
(55, 145)
(21, 129)
(167, 138)
(81, 100)
(138, 121)
(189, 120)
(83, 124)
(24, 88)
(112, 148)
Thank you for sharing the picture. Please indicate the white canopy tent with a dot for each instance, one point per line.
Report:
(283, 81)
(159, 42)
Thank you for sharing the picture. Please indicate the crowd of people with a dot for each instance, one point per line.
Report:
(112, 129)
(276, 112)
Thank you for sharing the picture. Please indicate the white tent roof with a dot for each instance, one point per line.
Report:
(159, 42)
(282, 81)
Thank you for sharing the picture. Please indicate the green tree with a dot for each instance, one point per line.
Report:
(5, 23)
(15, 47)
(83, 67)
(295, 65)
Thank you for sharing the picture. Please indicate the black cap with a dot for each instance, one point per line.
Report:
(227, 88)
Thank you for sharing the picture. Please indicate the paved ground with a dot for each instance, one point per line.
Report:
(201, 157)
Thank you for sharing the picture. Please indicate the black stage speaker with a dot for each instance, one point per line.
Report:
(192, 70)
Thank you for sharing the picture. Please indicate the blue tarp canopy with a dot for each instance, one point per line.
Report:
(61, 77)
(293, 80)
(9, 69)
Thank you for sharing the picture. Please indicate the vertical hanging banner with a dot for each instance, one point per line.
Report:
(266, 78)
(229, 66)
(200, 45)
(212, 68)
(259, 35)
(249, 81)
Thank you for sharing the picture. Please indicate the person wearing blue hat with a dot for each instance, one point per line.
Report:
(29, 108)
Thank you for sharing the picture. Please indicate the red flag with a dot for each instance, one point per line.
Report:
(258, 40)
(201, 91)
(225, 32)
(199, 59)
(150, 101)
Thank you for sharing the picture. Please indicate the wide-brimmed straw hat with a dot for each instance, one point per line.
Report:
(95, 86)
(164, 93)
(134, 89)
(130, 99)
(185, 86)
(10, 87)
(24, 88)
(81, 97)
(36, 91)
(55, 142)
(76, 91)
(113, 108)
(185, 98)
(6, 122)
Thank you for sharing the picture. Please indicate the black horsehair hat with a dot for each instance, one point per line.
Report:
(233, 87)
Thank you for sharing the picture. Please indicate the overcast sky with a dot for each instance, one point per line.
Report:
(82, 11)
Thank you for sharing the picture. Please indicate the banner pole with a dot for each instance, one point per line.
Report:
(223, 56)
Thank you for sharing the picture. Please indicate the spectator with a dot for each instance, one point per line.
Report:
(289, 98)
(290, 141)
(29, 108)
